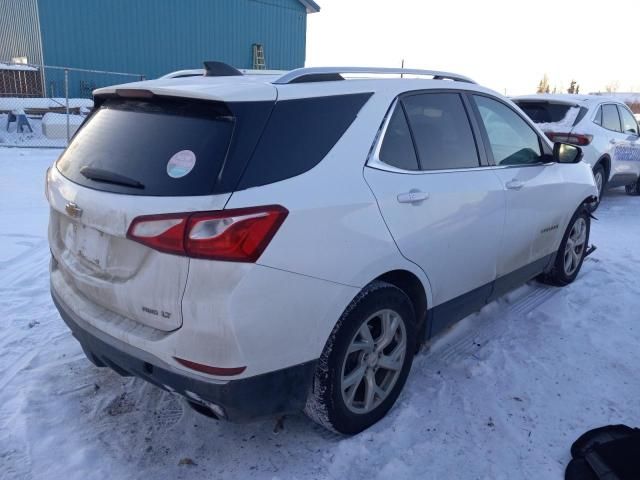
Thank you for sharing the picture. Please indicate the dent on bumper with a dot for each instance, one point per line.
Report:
(274, 393)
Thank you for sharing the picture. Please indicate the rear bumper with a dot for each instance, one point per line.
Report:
(268, 394)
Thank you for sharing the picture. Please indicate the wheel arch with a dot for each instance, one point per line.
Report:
(415, 289)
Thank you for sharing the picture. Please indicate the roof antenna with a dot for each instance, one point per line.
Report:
(220, 69)
(402, 65)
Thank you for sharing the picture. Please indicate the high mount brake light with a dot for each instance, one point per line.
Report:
(572, 138)
(238, 235)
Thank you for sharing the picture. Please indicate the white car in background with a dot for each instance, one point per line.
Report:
(265, 245)
(604, 128)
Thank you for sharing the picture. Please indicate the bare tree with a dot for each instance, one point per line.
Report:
(574, 87)
(543, 86)
(612, 87)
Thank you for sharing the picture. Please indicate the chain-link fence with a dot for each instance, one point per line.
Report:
(43, 106)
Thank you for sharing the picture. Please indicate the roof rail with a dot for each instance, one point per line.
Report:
(320, 74)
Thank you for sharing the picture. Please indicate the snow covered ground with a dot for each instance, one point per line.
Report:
(501, 396)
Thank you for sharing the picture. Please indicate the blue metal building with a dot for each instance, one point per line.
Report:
(153, 37)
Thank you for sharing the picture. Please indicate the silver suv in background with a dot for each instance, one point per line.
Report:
(604, 128)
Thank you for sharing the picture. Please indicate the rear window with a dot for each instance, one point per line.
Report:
(180, 147)
(553, 113)
(166, 147)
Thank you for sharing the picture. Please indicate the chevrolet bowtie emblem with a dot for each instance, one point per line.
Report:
(73, 210)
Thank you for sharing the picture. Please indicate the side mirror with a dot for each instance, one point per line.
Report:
(566, 153)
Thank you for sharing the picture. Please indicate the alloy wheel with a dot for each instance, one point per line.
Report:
(374, 361)
(575, 246)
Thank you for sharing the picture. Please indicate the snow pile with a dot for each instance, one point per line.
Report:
(13, 103)
(626, 97)
(18, 67)
(502, 395)
(27, 139)
(54, 125)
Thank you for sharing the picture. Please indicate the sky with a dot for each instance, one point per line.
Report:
(505, 45)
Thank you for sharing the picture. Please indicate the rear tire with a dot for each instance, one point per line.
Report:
(572, 251)
(633, 189)
(365, 362)
(599, 176)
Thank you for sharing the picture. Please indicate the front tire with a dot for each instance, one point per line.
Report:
(601, 182)
(365, 362)
(572, 251)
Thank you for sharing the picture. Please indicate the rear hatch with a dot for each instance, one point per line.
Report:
(552, 115)
(134, 157)
(557, 119)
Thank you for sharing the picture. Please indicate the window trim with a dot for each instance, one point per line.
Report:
(374, 160)
(545, 150)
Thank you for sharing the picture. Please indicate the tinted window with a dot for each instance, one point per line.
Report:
(171, 148)
(397, 147)
(545, 112)
(598, 119)
(629, 124)
(512, 140)
(610, 118)
(441, 131)
(299, 135)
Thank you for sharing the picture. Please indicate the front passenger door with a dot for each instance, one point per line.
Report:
(536, 193)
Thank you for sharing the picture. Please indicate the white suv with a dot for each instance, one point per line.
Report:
(266, 245)
(604, 128)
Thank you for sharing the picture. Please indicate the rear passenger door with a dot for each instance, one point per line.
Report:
(443, 208)
(537, 196)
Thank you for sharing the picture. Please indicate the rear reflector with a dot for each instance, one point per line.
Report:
(238, 235)
(223, 372)
(572, 138)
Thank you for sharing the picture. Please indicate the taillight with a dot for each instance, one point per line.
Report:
(572, 138)
(238, 235)
(164, 233)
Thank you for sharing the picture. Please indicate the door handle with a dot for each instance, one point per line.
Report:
(514, 185)
(414, 196)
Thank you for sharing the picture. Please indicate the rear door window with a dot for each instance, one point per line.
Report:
(165, 147)
(441, 131)
(610, 118)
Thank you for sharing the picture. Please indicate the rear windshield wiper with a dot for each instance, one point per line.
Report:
(100, 175)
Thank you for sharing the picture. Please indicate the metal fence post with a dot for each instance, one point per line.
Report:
(66, 94)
